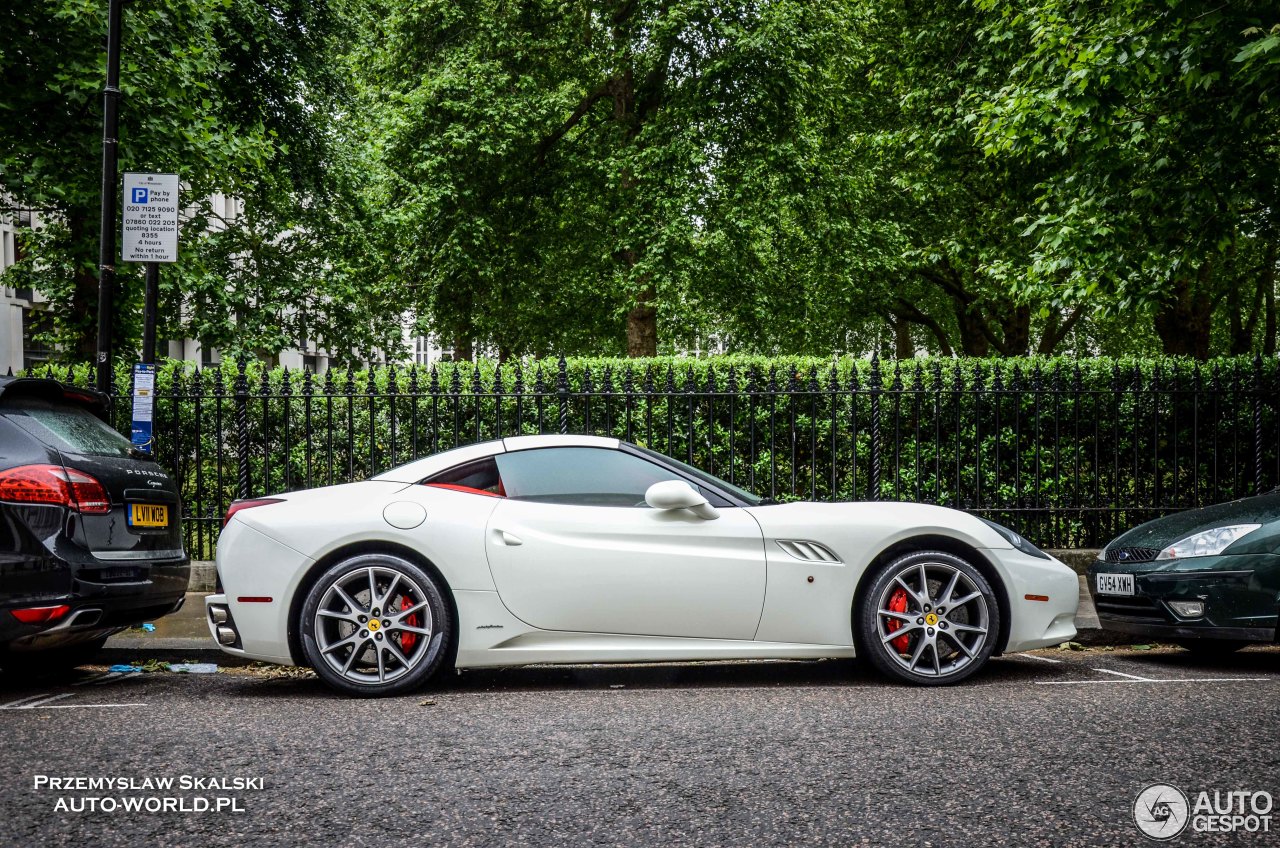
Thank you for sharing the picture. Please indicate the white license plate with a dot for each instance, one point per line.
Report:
(1114, 584)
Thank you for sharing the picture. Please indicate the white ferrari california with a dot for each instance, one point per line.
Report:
(579, 549)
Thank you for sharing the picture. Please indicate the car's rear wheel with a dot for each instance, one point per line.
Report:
(1213, 647)
(375, 625)
(929, 618)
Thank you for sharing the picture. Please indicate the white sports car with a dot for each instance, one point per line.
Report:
(578, 549)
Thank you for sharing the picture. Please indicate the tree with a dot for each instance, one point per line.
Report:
(240, 98)
(1161, 123)
(559, 171)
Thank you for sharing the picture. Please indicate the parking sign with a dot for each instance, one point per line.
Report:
(150, 218)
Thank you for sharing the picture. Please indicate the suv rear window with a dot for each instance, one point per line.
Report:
(69, 429)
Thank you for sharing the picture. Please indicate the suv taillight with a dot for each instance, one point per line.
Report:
(236, 506)
(53, 484)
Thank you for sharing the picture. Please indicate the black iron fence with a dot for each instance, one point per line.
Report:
(1068, 452)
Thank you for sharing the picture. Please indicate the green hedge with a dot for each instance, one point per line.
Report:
(1069, 451)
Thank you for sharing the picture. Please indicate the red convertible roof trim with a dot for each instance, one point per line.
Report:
(455, 487)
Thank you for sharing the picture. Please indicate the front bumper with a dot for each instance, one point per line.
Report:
(1241, 595)
(1043, 595)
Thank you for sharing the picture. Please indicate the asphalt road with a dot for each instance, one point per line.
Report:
(1035, 751)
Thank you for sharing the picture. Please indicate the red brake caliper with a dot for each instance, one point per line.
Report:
(898, 603)
(408, 640)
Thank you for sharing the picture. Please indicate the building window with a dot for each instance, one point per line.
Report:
(35, 351)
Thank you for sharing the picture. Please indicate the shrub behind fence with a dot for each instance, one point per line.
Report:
(1068, 452)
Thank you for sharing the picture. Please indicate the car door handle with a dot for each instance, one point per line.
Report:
(509, 539)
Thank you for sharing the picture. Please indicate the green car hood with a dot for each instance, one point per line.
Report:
(1162, 532)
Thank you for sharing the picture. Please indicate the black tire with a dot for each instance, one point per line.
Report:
(53, 660)
(1213, 647)
(962, 637)
(380, 653)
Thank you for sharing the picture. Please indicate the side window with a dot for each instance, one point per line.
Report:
(581, 476)
(479, 477)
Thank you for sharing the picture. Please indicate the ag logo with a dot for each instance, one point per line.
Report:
(1161, 811)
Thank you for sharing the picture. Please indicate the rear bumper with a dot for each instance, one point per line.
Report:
(99, 607)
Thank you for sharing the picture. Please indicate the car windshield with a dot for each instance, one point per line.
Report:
(70, 429)
(710, 479)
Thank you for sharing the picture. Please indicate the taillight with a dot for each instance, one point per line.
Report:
(236, 506)
(53, 484)
(40, 615)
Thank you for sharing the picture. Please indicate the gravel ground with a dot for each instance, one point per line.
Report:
(1045, 751)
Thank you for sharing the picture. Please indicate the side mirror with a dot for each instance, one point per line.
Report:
(677, 494)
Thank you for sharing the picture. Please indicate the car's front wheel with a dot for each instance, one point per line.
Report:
(375, 625)
(928, 618)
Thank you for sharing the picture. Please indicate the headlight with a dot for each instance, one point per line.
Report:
(1209, 543)
(1016, 540)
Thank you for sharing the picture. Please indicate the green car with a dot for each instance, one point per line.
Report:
(1207, 579)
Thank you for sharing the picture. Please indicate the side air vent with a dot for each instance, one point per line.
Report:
(807, 551)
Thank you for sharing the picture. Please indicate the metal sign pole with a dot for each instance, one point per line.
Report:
(107, 237)
(149, 313)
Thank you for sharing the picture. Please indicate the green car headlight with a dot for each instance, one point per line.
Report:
(1016, 540)
(1207, 543)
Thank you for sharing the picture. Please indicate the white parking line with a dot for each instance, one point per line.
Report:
(37, 701)
(1038, 657)
(84, 706)
(1150, 680)
(1122, 674)
(16, 705)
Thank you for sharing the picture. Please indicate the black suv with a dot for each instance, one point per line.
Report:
(90, 541)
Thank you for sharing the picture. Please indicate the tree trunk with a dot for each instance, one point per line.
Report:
(463, 348)
(1015, 324)
(904, 348)
(1183, 322)
(973, 342)
(642, 325)
(1057, 329)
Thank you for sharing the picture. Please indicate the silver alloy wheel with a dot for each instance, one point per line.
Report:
(932, 619)
(373, 625)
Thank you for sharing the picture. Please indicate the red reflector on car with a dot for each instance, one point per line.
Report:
(56, 485)
(236, 506)
(253, 599)
(1036, 597)
(41, 615)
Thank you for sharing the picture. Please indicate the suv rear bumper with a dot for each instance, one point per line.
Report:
(98, 608)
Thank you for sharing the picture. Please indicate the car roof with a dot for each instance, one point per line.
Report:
(91, 399)
(414, 471)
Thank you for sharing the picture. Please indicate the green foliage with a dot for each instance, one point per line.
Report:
(239, 97)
